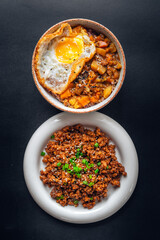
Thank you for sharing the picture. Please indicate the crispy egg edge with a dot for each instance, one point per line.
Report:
(76, 68)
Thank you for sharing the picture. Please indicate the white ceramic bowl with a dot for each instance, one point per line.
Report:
(126, 154)
(98, 28)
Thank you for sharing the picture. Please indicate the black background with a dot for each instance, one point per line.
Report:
(137, 26)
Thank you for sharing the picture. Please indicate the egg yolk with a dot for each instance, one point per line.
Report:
(69, 49)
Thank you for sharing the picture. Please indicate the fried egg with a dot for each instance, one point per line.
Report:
(60, 57)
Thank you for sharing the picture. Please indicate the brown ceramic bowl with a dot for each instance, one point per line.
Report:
(100, 29)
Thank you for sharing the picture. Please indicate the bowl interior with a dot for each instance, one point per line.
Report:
(100, 29)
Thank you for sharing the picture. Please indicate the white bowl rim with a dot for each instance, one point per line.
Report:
(125, 150)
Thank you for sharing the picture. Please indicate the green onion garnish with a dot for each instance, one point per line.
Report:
(75, 169)
(59, 164)
(90, 184)
(63, 167)
(96, 145)
(66, 165)
(42, 153)
(85, 182)
(61, 197)
(84, 161)
(78, 175)
(77, 155)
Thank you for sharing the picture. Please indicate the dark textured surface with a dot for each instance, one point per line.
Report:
(136, 24)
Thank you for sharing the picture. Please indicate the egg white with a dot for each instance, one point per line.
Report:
(56, 74)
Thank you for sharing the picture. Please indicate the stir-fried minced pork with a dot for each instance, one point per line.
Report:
(80, 163)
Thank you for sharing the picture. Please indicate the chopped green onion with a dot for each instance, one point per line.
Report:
(42, 153)
(78, 175)
(85, 182)
(91, 165)
(78, 149)
(99, 163)
(90, 184)
(85, 169)
(84, 161)
(75, 169)
(87, 157)
(62, 197)
(59, 164)
(96, 145)
(66, 165)
(52, 136)
(91, 198)
(63, 167)
(77, 155)
(76, 202)
(107, 167)
(97, 170)
(90, 176)
(72, 160)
